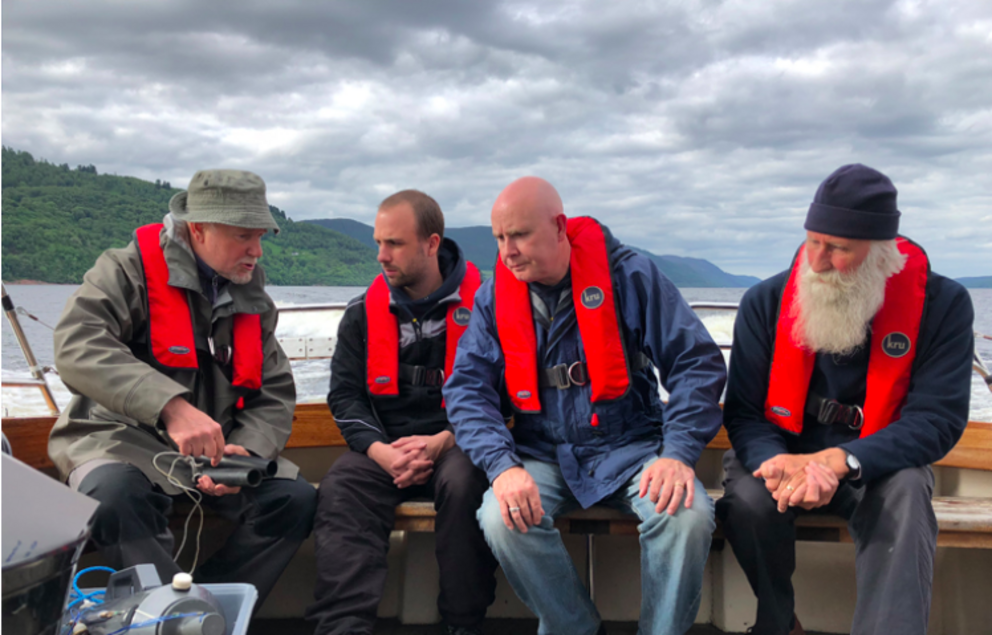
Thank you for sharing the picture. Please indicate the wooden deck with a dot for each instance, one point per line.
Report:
(491, 627)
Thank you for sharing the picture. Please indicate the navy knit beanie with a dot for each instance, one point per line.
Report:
(855, 201)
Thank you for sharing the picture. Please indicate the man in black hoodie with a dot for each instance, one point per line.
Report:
(396, 344)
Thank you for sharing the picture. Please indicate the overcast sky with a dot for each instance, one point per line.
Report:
(694, 128)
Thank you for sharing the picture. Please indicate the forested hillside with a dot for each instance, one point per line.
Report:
(57, 219)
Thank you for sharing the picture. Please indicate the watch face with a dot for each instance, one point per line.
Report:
(854, 465)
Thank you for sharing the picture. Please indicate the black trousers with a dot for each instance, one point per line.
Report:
(131, 526)
(895, 534)
(355, 514)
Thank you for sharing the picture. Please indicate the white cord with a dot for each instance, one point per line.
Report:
(194, 495)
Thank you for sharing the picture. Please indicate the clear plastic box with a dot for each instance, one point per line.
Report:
(236, 601)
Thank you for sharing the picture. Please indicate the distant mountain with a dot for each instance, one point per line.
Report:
(479, 247)
(476, 242)
(977, 282)
(351, 228)
(57, 220)
(696, 272)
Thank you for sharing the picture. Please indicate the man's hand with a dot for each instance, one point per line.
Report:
(777, 470)
(194, 433)
(206, 484)
(666, 482)
(421, 452)
(811, 489)
(519, 499)
(407, 466)
(433, 445)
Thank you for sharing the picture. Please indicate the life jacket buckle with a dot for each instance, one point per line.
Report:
(832, 411)
(220, 353)
(565, 375)
(578, 374)
(828, 411)
(561, 376)
(424, 376)
(859, 418)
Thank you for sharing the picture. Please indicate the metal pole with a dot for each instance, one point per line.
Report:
(978, 364)
(38, 372)
(591, 565)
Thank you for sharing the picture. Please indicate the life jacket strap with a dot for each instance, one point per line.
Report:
(421, 375)
(566, 375)
(830, 411)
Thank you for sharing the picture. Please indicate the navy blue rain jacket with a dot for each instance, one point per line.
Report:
(595, 461)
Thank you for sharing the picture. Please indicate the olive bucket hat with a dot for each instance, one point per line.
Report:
(230, 197)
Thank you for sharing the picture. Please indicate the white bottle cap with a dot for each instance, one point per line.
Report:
(182, 581)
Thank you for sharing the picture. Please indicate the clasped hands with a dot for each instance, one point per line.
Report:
(410, 460)
(803, 480)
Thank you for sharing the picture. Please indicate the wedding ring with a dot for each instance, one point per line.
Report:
(790, 488)
(514, 509)
(679, 484)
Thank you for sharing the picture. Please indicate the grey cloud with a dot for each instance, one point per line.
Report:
(700, 129)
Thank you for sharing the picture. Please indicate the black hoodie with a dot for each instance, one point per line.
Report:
(364, 418)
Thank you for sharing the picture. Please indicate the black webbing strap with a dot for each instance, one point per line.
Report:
(831, 412)
(566, 375)
(421, 375)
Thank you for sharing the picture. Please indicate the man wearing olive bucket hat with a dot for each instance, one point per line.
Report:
(169, 349)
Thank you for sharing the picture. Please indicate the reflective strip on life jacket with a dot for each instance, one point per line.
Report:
(382, 353)
(596, 313)
(894, 334)
(170, 324)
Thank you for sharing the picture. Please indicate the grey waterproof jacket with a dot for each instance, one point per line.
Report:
(102, 355)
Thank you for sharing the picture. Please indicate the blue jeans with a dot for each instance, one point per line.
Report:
(673, 556)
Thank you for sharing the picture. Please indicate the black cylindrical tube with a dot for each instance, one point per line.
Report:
(265, 466)
(233, 476)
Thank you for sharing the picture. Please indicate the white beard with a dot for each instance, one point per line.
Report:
(834, 310)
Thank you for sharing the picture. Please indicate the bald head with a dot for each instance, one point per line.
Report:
(533, 194)
(529, 225)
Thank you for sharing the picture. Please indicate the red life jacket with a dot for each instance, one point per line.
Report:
(382, 354)
(596, 313)
(895, 331)
(170, 323)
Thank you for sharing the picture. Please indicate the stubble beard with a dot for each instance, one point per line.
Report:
(834, 310)
(409, 277)
(240, 277)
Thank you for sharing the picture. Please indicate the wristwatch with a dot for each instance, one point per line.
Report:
(854, 465)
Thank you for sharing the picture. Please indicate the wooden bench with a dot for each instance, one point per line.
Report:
(963, 522)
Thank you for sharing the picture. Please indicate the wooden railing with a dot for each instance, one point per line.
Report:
(964, 522)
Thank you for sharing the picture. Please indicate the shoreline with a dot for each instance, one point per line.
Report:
(20, 282)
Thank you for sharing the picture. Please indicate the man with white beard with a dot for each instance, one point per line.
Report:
(849, 376)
